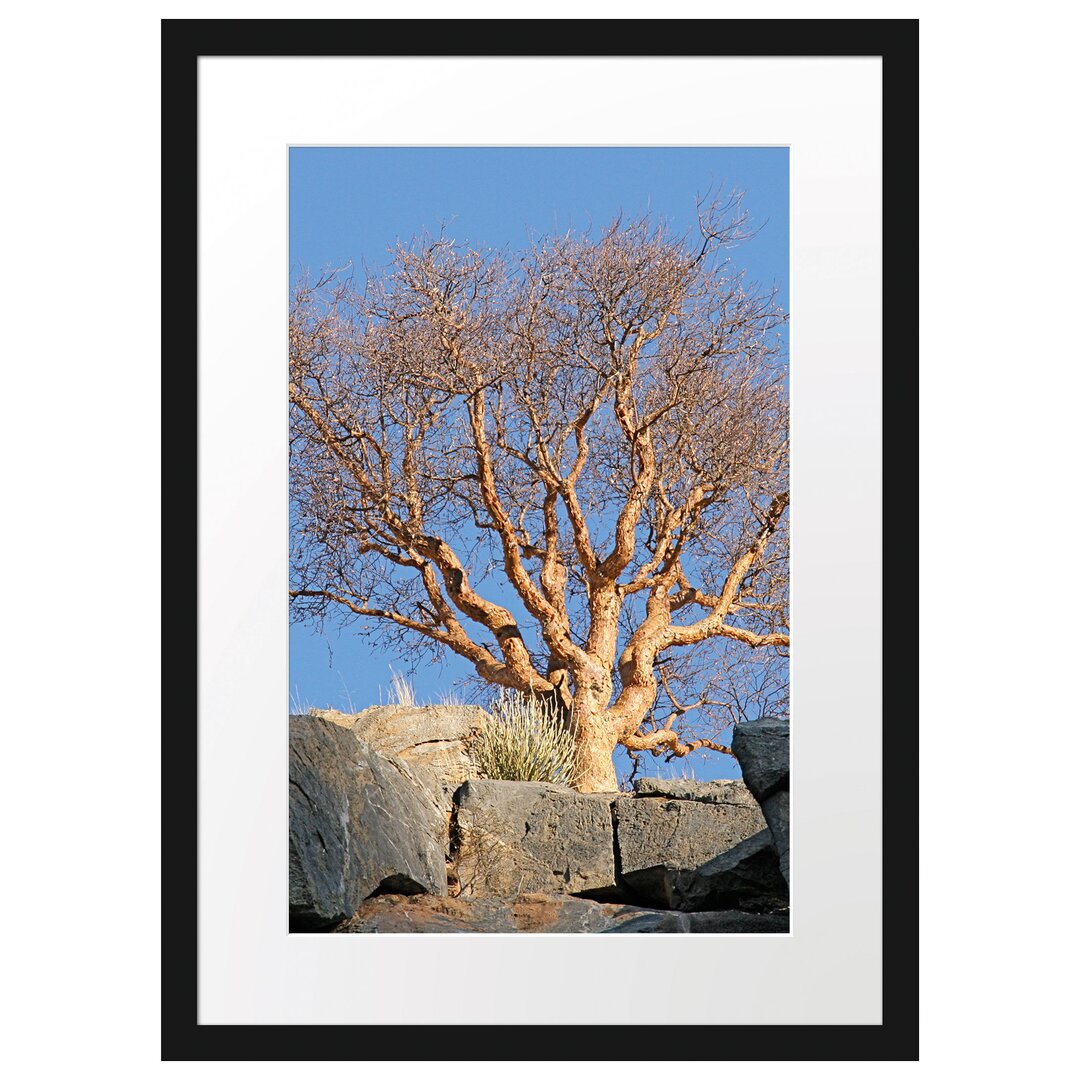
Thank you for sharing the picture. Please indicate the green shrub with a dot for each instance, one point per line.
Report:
(525, 740)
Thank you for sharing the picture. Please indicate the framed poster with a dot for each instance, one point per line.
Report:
(841, 97)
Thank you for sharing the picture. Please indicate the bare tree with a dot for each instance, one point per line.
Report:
(569, 467)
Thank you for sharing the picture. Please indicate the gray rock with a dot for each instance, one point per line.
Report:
(763, 751)
(703, 922)
(746, 876)
(356, 824)
(777, 809)
(433, 791)
(523, 837)
(719, 792)
(524, 914)
(432, 739)
(676, 834)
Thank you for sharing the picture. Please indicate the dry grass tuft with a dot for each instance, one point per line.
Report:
(525, 740)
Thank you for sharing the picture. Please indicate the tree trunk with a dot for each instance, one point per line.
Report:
(595, 746)
(594, 738)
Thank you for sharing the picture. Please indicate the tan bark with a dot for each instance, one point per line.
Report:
(596, 764)
(595, 745)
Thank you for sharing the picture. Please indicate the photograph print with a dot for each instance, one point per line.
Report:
(539, 521)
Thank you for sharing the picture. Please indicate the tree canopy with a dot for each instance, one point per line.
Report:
(567, 465)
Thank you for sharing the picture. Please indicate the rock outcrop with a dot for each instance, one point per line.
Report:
(521, 837)
(763, 750)
(357, 824)
(391, 831)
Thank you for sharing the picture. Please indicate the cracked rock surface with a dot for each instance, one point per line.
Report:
(520, 837)
(680, 833)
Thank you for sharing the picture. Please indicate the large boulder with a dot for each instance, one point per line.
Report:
(528, 913)
(432, 739)
(762, 748)
(658, 835)
(746, 876)
(357, 825)
(525, 837)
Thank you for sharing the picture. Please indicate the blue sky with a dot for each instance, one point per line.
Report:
(349, 204)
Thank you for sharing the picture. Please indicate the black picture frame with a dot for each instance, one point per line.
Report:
(183, 1038)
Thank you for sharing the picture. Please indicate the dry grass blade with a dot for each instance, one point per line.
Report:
(401, 690)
